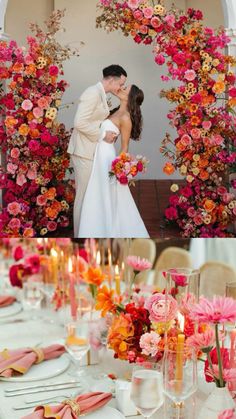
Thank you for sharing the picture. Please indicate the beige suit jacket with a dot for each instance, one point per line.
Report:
(91, 112)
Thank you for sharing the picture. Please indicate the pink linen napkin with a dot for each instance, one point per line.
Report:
(6, 300)
(71, 408)
(19, 361)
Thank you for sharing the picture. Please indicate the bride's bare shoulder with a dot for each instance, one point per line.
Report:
(125, 118)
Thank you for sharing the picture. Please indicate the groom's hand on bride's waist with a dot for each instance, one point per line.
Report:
(110, 137)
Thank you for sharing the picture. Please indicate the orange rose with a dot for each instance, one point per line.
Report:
(180, 146)
(204, 175)
(169, 169)
(209, 205)
(18, 67)
(219, 87)
(29, 232)
(94, 276)
(34, 133)
(203, 163)
(51, 213)
(30, 69)
(51, 193)
(24, 129)
(10, 121)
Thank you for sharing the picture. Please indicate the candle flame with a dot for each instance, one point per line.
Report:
(109, 258)
(53, 253)
(181, 321)
(117, 272)
(98, 258)
(70, 265)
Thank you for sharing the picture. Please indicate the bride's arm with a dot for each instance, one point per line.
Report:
(125, 131)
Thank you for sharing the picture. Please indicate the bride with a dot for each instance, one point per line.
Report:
(108, 209)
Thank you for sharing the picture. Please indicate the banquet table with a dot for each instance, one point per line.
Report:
(42, 332)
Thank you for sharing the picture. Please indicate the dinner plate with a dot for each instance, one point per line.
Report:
(105, 412)
(10, 310)
(47, 369)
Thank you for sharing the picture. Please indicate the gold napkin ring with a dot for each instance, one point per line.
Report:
(75, 407)
(40, 355)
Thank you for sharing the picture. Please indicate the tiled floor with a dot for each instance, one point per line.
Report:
(151, 197)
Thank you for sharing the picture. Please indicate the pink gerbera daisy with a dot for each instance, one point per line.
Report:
(138, 264)
(218, 310)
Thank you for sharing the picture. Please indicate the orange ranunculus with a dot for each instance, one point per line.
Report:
(51, 193)
(208, 100)
(12, 85)
(94, 276)
(24, 129)
(169, 168)
(232, 102)
(203, 163)
(204, 175)
(30, 69)
(34, 133)
(209, 205)
(219, 87)
(29, 232)
(189, 41)
(10, 121)
(133, 171)
(193, 108)
(104, 301)
(180, 146)
(195, 120)
(51, 213)
(17, 67)
(120, 334)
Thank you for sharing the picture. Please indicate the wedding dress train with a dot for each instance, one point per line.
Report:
(108, 208)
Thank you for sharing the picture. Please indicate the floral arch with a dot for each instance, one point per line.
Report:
(203, 111)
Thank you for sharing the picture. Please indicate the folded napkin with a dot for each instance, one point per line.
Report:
(19, 361)
(72, 408)
(6, 300)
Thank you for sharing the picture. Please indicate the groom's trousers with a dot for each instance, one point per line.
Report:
(82, 171)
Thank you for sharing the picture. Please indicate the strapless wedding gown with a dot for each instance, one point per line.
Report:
(108, 208)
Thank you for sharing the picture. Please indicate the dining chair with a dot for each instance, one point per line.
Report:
(171, 257)
(214, 276)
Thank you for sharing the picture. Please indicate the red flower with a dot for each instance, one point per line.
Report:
(18, 253)
(123, 180)
(171, 213)
(214, 358)
(53, 70)
(16, 273)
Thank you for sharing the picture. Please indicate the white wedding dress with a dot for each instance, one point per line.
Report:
(108, 208)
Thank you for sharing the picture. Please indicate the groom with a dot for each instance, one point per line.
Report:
(92, 111)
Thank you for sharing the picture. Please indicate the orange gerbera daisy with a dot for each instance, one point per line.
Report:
(104, 301)
(94, 276)
(195, 120)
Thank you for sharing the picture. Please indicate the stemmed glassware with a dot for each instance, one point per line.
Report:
(77, 343)
(180, 377)
(32, 296)
(147, 388)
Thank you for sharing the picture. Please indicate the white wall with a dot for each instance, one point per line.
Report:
(102, 49)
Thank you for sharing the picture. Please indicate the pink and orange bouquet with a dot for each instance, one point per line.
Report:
(126, 167)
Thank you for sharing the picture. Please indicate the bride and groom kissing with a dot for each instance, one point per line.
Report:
(105, 208)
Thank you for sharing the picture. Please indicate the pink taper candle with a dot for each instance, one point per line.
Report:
(73, 302)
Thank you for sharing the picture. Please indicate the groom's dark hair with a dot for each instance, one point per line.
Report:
(114, 71)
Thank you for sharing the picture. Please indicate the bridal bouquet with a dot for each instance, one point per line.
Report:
(125, 167)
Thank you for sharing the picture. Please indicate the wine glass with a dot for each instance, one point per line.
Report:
(180, 376)
(147, 388)
(77, 342)
(32, 296)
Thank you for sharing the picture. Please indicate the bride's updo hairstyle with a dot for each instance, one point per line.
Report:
(135, 101)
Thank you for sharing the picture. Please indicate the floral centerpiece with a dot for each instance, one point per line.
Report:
(37, 200)
(204, 114)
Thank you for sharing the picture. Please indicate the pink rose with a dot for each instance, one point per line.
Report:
(149, 343)
(51, 226)
(21, 179)
(11, 168)
(148, 12)
(186, 140)
(14, 208)
(196, 65)
(133, 4)
(138, 15)
(53, 70)
(27, 105)
(162, 307)
(38, 112)
(191, 212)
(227, 197)
(221, 190)
(28, 59)
(14, 224)
(206, 125)
(143, 29)
(41, 200)
(160, 59)
(155, 22)
(195, 133)
(32, 174)
(198, 220)
(43, 102)
(15, 152)
(190, 75)
(170, 20)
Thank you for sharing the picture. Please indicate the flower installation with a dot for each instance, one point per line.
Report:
(204, 113)
(37, 199)
(228, 414)
(126, 167)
